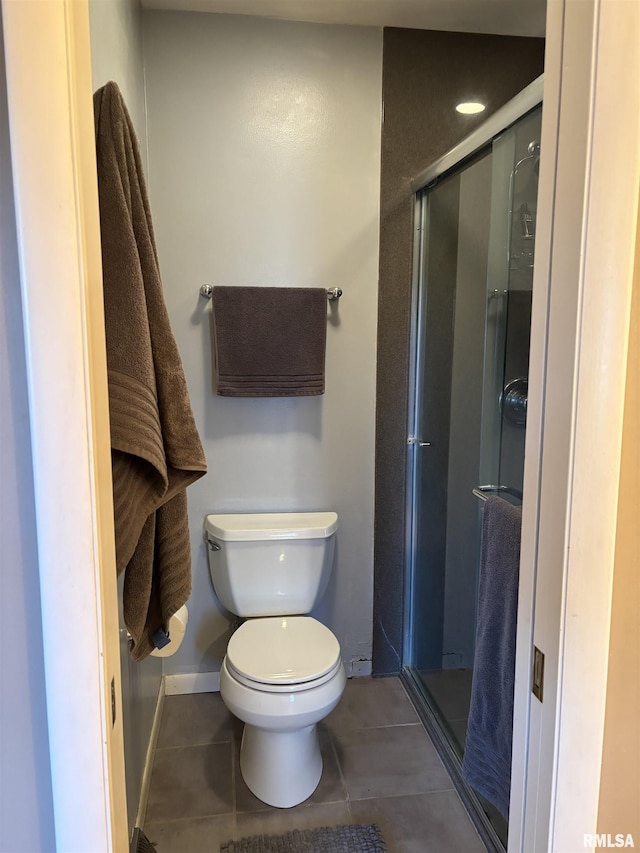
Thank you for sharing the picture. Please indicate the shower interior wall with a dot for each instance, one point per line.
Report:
(425, 74)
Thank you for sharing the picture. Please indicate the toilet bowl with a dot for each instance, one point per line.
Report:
(280, 755)
(283, 671)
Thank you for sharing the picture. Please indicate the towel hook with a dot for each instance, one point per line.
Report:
(333, 293)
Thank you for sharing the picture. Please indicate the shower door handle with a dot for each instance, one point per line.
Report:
(413, 440)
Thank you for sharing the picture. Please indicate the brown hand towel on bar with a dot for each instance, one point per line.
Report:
(269, 341)
(156, 450)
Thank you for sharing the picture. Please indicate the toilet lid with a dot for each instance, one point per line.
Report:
(283, 650)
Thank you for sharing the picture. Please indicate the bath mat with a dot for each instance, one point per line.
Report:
(352, 838)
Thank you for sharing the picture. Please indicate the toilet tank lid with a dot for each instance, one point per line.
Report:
(240, 527)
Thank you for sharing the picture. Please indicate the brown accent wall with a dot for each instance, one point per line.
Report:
(619, 808)
(425, 74)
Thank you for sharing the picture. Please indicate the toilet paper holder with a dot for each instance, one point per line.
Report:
(167, 642)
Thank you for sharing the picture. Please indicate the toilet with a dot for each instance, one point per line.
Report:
(283, 671)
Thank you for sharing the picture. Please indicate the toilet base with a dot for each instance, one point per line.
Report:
(281, 768)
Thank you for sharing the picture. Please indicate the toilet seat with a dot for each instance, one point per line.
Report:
(265, 687)
(283, 654)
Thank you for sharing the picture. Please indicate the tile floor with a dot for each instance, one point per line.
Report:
(379, 767)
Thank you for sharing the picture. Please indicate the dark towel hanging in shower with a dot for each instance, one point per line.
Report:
(487, 754)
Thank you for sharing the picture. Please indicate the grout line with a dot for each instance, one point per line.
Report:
(450, 790)
(190, 819)
(362, 728)
(191, 745)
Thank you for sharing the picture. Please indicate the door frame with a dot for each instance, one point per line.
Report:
(588, 199)
(587, 208)
(54, 176)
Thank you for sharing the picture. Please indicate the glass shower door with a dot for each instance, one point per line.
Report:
(473, 315)
(448, 426)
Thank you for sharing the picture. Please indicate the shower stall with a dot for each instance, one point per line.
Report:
(473, 274)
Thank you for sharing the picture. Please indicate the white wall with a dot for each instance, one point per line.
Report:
(116, 54)
(264, 164)
(26, 805)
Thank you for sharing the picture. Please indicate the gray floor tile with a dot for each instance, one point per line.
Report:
(379, 766)
(371, 703)
(285, 820)
(194, 719)
(389, 761)
(200, 835)
(330, 788)
(423, 823)
(191, 781)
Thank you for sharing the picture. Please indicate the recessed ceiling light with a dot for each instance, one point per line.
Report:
(470, 107)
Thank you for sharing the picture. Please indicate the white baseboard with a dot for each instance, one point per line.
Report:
(191, 682)
(209, 682)
(148, 762)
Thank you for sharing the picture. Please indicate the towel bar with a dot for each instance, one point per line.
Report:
(333, 293)
(483, 492)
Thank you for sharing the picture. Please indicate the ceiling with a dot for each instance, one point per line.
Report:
(501, 17)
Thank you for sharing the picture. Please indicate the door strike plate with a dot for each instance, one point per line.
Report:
(537, 678)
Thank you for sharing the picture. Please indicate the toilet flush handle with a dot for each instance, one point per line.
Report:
(213, 545)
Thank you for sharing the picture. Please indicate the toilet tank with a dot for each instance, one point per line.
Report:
(270, 564)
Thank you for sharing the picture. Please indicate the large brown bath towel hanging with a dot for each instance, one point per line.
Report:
(156, 449)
